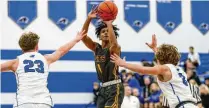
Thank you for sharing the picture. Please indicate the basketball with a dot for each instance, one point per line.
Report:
(107, 10)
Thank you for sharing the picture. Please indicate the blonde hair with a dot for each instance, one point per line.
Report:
(167, 54)
(28, 41)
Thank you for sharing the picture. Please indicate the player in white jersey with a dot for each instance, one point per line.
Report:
(171, 79)
(31, 70)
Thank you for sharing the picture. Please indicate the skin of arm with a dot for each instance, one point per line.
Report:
(9, 66)
(86, 39)
(114, 47)
(64, 49)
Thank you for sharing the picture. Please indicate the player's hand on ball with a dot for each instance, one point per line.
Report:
(153, 45)
(80, 35)
(117, 60)
(108, 22)
(93, 12)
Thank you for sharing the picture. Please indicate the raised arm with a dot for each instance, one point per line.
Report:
(114, 47)
(156, 70)
(87, 40)
(64, 49)
(9, 66)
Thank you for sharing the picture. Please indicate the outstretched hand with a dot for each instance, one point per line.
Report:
(153, 45)
(93, 12)
(80, 35)
(117, 60)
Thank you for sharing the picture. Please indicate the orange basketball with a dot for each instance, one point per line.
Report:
(107, 10)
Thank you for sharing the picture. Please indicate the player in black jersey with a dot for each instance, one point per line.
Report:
(111, 92)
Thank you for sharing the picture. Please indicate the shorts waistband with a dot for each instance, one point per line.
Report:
(110, 83)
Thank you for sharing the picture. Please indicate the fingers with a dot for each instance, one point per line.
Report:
(78, 33)
(84, 34)
(153, 37)
(124, 58)
(147, 44)
(83, 31)
(116, 55)
(94, 8)
(113, 57)
(112, 61)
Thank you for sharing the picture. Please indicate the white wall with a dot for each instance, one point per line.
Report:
(184, 36)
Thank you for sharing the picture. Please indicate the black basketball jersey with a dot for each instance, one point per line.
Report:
(106, 70)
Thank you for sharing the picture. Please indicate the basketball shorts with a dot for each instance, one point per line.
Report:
(110, 96)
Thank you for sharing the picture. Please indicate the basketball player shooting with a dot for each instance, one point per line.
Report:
(32, 69)
(111, 92)
(171, 78)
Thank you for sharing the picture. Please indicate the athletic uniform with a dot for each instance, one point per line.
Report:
(177, 90)
(195, 93)
(31, 75)
(111, 92)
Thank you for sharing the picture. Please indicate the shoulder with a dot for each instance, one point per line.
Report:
(162, 68)
(165, 73)
(97, 44)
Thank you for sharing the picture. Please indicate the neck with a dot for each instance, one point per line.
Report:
(105, 44)
(29, 51)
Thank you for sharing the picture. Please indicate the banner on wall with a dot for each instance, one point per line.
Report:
(62, 13)
(22, 12)
(200, 15)
(137, 14)
(169, 14)
(90, 5)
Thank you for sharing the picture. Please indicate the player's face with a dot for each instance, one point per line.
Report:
(191, 50)
(104, 34)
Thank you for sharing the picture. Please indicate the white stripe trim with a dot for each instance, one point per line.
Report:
(58, 98)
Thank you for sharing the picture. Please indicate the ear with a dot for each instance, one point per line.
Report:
(36, 47)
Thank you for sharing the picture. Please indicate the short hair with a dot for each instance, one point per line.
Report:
(28, 41)
(191, 47)
(167, 54)
(101, 25)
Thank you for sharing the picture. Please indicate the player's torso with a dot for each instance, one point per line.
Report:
(177, 89)
(31, 76)
(106, 70)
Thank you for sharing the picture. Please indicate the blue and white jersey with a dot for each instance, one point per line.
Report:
(31, 75)
(177, 89)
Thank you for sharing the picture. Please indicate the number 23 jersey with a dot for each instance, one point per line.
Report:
(177, 89)
(31, 76)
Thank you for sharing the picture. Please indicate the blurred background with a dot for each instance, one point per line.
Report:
(73, 80)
